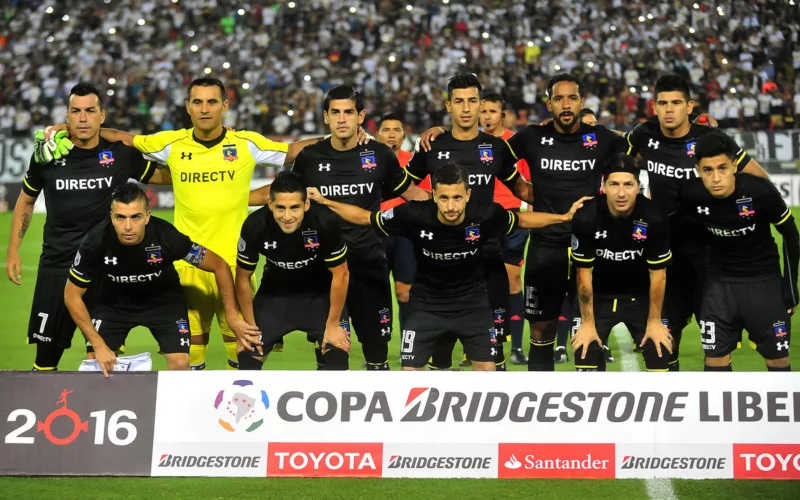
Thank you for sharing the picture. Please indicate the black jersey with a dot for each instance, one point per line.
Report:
(78, 192)
(564, 167)
(737, 228)
(362, 176)
(297, 263)
(449, 277)
(134, 277)
(670, 162)
(621, 250)
(486, 157)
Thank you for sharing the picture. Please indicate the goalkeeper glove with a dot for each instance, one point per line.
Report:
(56, 148)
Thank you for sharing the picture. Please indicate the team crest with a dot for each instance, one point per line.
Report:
(368, 161)
(183, 326)
(780, 329)
(493, 335)
(472, 233)
(639, 230)
(384, 315)
(589, 140)
(485, 153)
(690, 146)
(745, 206)
(499, 317)
(665, 322)
(106, 158)
(310, 239)
(229, 152)
(345, 325)
(153, 254)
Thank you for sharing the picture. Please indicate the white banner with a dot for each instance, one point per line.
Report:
(688, 461)
(15, 156)
(789, 187)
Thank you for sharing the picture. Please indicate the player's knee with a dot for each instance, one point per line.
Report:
(47, 358)
(178, 361)
(514, 281)
(402, 291)
(543, 331)
(483, 366)
(250, 362)
(777, 363)
(200, 339)
(592, 362)
(335, 359)
(652, 361)
(720, 361)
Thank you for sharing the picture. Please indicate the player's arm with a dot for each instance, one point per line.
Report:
(414, 193)
(658, 256)
(417, 167)
(534, 220)
(587, 332)
(744, 162)
(791, 257)
(350, 213)
(20, 222)
(113, 135)
(295, 147)
(73, 299)
(397, 182)
(259, 197)
(334, 333)
(161, 174)
(246, 262)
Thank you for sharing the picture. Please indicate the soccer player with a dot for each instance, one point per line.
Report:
(399, 252)
(620, 245)
(360, 175)
(744, 288)
(588, 117)
(449, 296)
(492, 118)
(211, 168)
(78, 192)
(129, 258)
(486, 157)
(305, 279)
(666, 146)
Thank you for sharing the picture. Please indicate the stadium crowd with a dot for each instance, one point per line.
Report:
(279, 60)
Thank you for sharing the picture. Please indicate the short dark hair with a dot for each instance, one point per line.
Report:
(463, 81)
(344, 92)
(495, 97)
(587, 111)
(450, 173)
(714, 143)
(563, 77)
(207, 81)
(288, 182)
(84, 89)
(387, 117)
(673, 82)
(129, 193)
(620, 162)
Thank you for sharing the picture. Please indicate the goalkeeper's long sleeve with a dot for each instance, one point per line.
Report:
(791, 259)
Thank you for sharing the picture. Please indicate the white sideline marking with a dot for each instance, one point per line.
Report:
(657, 488)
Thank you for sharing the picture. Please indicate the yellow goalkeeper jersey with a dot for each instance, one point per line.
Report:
(211, 181)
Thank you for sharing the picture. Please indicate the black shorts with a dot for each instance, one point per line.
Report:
(277, 315)
(514, 247)
(169, 325)
(548, 279)
(757, 307)
(369, 302)
(683, 296)
(50, 323)
(472, 326)
(400, 255)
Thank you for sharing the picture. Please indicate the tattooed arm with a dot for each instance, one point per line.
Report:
(587, 333)
(23, 212)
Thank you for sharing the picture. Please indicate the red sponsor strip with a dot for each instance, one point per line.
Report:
(551, 460)
(325, 459)
(766, 461)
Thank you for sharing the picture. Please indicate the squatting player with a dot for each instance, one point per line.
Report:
(620, 245)
(78, 192)
(744, 288)
(666, 146)
(305, 279)
(129, 258)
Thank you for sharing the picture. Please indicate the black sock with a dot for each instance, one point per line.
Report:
(778, 369)
(47, 358)
(540, 357)
(675, 365)
(563, 328)
(516, 323)
(319, 356)
(403, 310)
(376, 355)
(728, 368)
(500, 358)
(247, 362)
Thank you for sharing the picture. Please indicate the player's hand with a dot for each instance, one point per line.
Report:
(106, 358)
(362, 136)
(546, 122)
(51, 131)
(428, 137)
(584, 337)
(706, 120)
(335, 336)
(315, 195)
(575, 207)
(790, 311)
(659, 334)
(53, 149)
(14, 268)
(229, 129)
(246, 334)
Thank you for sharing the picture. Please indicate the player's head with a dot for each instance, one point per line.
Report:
(564, 99)
(390, 131)
(343, 111)
(673, 102)
(451, 192)
(493, 112)
(130, 213)
(464, 100)
(588, 117)
(715, 155)
(206, 102)
(85, 112)
(288, 201)
(621, 183)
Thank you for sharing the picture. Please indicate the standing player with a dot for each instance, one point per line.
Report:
(492, 118)
(449, 296)
(305, 278)
(360, 175)
(399, 252)
(620, 245)
(130, 259)
(666, 146)
(744, 288)
(487, 158)
(78, 192)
